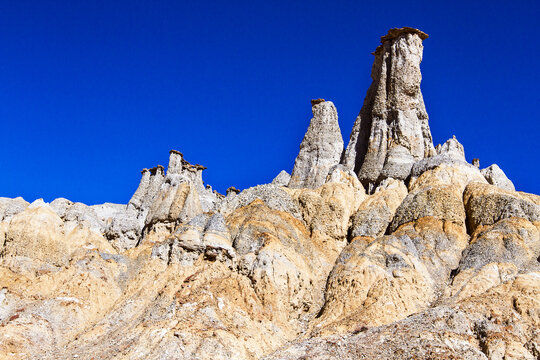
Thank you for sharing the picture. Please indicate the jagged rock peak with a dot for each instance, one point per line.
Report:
(149, 185)
(282, 179)
(451, 148)
(177, 163)
(320, 149)
(232, 190)
(495, 176)
(153, 171)
(391, 132)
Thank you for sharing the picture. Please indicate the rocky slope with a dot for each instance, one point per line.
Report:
(390, 248)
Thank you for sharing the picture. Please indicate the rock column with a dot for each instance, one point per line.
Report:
(391, 132)
(321, 148)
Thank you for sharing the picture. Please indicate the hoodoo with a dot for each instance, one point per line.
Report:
(391, 132)
(320, 149)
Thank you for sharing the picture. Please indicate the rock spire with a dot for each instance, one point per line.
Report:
(391, 132)
(320, 149)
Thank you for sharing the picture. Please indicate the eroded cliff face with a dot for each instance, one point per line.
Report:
(390, 249)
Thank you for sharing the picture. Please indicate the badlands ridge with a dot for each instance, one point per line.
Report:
(390, 248)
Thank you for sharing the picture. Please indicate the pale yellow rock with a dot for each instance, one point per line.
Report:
(377, 210)
(38, 234)
(448, 174)
(374, 285)
(328, 210)
(474, 282)
(440, 201)
(486, 204)
(512, 240)
(275, 251)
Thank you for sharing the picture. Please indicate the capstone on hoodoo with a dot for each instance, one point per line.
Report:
(182, 195)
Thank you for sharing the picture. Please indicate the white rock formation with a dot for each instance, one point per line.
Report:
(282, 179)
(321, 148)
(182, 195)
(391, 132)
(495, 176)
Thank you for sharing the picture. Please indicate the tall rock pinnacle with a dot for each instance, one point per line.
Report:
(321, 148)
(391, 132)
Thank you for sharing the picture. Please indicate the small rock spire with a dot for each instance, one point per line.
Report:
(320, 149)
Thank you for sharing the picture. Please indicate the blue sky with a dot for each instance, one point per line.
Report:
(93, 91)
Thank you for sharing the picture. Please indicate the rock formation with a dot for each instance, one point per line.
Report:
(321, 148)
(282, 178)
(436, 260)
(495, 176)
(391, 132)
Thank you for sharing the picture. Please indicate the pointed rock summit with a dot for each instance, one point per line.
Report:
(391, 132)
(321, 148)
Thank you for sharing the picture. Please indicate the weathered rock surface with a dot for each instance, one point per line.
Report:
(487, 204)
(282, 179)
(437, 260)
(321, 148)
(272, 195)
(447, 167)
(378, 210)
(495, 176)
(391, 132)
(11, 207)
(205, 235)
(495, 324)
(182, 194)
(148, 189)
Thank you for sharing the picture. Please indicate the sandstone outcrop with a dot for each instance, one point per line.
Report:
(272, 195)
(487, 204)
(377, 211)
(320, 149)
(397, 251)
(182, 194)
(391, 132)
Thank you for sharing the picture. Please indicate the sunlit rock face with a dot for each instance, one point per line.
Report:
(391, 249)
(321, 148)
(391, 132)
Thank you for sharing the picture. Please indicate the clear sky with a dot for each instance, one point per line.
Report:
(93, 91)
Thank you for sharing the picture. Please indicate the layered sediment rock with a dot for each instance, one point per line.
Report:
(391, 132)
(320, 149)
(437, 260)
